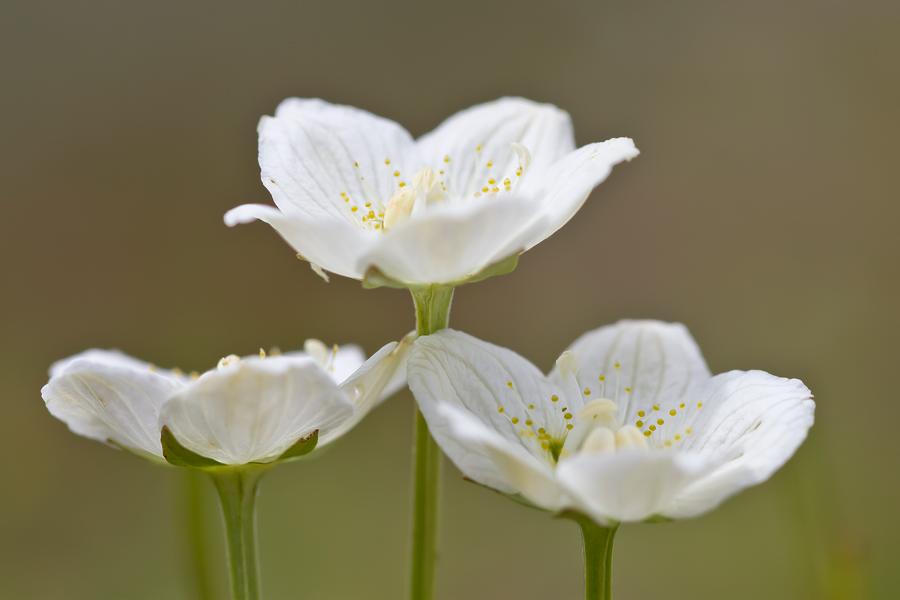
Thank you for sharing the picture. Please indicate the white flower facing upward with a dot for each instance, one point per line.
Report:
(355, 194)
(630, 424)
(246, 410)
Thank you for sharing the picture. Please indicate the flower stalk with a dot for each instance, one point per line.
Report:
(598, 551)
(237, 487)
(193, 504)
(432, 314)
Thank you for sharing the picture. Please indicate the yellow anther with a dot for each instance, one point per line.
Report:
(687, 431)
(490, 164)
(377, 225)
(673, 412)
(647, 434)
(529, 422)
(478, 194)
(485, 189)
(500, 409)
(262, 353)
(681, 405)
(617, 366)
(507, 182)
(699, 405)
(354, 208)
(495, 189)
(387, 161)
(639, 423)
(447, 158)
(677, 436)
(522, 432)
(343, 194)
(587, 391)
(515, 420)
(569, 426)
(396, 173)
(531, 407)
(554, 398)
(371, 214)
(346, 199)
(542, 431)
(628, 390)
(668, 443)
(356, 164)
(653, 428)
(194, 375)
(478, 149)
(567, 416)
(491, 181)
(402, 184)
(545, 445)
(656, 407)
(368, 204)
(660, 422)
(641, 414)
(509, 383)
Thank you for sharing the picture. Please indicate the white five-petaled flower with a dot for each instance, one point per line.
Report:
(354, 191)
(629, 425)
(245, 410)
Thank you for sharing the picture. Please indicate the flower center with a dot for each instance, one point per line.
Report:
(553, 431)
(429, 187)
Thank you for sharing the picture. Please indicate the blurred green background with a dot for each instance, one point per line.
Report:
(762, 213)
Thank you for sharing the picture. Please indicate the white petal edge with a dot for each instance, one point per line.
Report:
(758, 418)
(485, 457)
(110, 397)
(449, 243)
(630, 485)
(373, 382)
(332, 245)
(255, 409)
(563, 188)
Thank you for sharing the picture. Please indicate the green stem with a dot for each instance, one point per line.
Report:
(432, 313)
(193, 500)
(237, 488)
(598, 551)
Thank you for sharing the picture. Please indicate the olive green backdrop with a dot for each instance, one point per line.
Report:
(762, 213)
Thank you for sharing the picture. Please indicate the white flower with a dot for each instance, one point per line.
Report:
(357, 196)
(245, 410)
(630, 424)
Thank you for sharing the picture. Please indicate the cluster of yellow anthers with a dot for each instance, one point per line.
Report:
(551, 438)
(374, 214)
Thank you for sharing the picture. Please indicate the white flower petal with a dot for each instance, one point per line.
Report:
(563, 188)
(630, 485)
(254, 409)
(759, 419)
(328, 243)
(486, 457)
(107, 396)
(373, 382)
(450, 242)
(454, 367)
(545, 130)
(307, 153)
(659, 362)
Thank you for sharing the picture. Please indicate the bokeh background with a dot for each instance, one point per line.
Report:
(762, 213)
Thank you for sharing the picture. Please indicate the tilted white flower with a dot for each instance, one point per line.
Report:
(355, 194)
(630, 424)
(245, 410)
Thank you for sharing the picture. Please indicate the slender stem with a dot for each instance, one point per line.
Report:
(193, 504)
(432, 313)
(237, 488)
(598, 551)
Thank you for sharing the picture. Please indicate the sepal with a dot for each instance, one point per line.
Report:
(178, 455)
(375, 278)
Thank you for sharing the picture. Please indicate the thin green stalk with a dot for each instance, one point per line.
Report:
(237, 487)
(598, 551)
(432, 313)
(193, 505)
